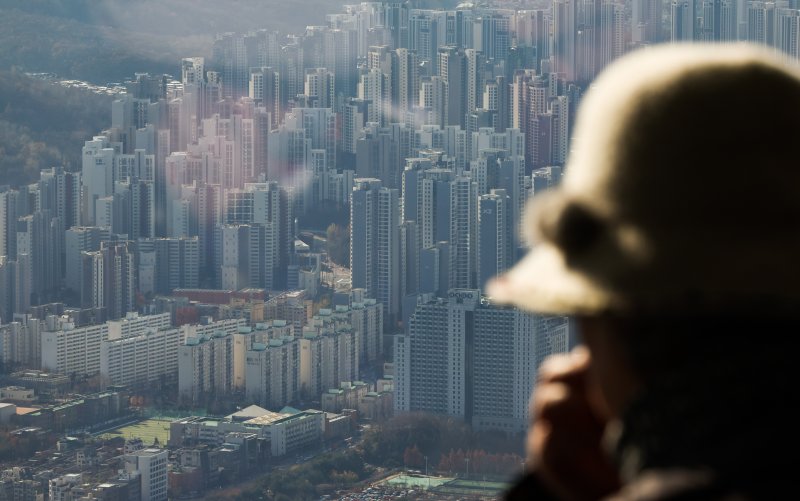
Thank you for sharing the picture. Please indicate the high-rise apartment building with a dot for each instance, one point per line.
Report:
(265, 90)
(320, 88)
(73, 350)
(134, 348)
(533, 30)
(246, 337)
(405, 83)
(79, 239)
(423, 36)
(61, 194)
(109, 278)
(433, 100)
(467, 358)
(787, 31)
(21, 342)
(374, 87)
(683, 27)
(718, 20)
(140, 359)
(564, 38)
(492, 35)
(40, 237)
(340, 56)
(462, 238)
(375, 245)
(452, 65)
(495, 236)
(365, 315)
(272, 372)
(234, 54)
(97, 174)
(247, 256)
(327, 354)
(612, 33)
(205, 366)
(13, 204)
(646, 23)
(166, 264)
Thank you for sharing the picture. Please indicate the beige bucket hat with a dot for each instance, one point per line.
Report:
(681, 194)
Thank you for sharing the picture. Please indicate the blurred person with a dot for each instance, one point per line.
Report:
(673, 242)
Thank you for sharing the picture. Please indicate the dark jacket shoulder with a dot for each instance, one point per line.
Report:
(657, 485)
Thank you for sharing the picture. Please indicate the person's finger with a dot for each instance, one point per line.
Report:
(563, 377)
(562, 404)
(567, 367)
(550, 399)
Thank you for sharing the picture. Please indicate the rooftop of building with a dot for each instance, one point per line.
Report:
(298, 294)
(150, 451)
(284, 417)
(197, 340)
(262, 326)
(250, 412)
(37, 374)
(267, 419)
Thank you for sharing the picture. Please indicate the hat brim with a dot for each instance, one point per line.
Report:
(542, 282)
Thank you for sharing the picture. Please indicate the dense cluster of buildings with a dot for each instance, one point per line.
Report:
(172, 255)
(75, 413)
(171, 259)
(274, 363)
(141, 474)
(199, 453)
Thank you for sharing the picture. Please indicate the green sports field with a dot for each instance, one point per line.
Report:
(148, 430)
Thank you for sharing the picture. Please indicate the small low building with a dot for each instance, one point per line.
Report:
(345, 397)
(376, 406)
(6, 412)
(337, 426)
(17, 394)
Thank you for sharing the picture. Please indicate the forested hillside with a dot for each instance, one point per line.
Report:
(71, 49)
(42, 125)
(107, 41)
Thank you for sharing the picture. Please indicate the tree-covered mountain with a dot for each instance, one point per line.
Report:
(96, 53)
(43, 125)
(107, 41)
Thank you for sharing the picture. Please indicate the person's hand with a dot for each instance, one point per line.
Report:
(564, 440)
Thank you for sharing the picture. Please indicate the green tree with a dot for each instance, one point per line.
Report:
(338, 245)
(413, 457)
